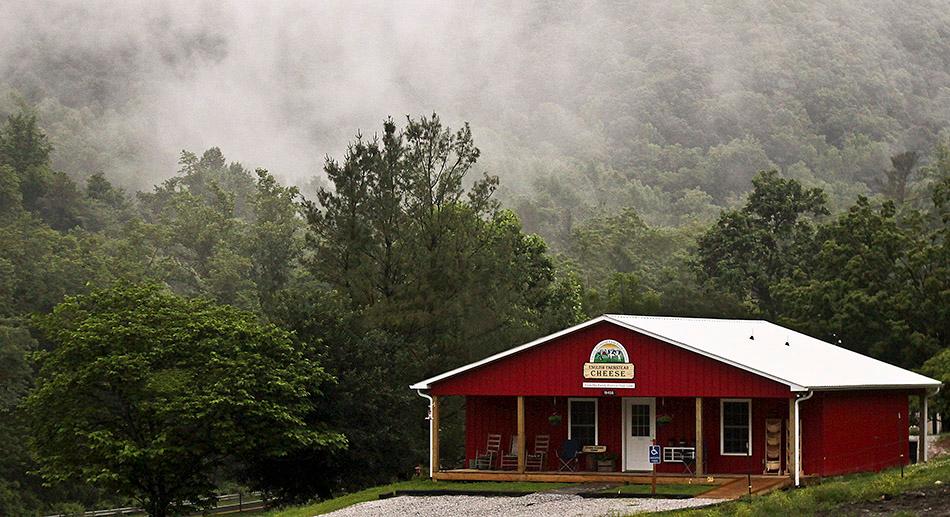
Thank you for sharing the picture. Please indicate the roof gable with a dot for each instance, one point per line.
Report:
(799, 361)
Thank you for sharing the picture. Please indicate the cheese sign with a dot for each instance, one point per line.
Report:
(608, 371)
(608, 360)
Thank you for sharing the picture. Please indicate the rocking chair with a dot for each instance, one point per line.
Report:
(509, 461)
(485, 461)
(535, 460)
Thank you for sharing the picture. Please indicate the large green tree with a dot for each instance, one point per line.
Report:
(25, 150)
(152, 395)
(938, 367)
(880, 282)
(422, 255)
(436, 274)
(631, 267)
(752, 248)
(18, 488)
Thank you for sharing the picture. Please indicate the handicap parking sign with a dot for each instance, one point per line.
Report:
(654, 454)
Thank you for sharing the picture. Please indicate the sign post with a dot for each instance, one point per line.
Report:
(654, 459)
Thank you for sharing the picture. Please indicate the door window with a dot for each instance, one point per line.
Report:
(640, 420)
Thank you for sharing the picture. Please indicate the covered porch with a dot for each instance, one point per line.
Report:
(520, 438)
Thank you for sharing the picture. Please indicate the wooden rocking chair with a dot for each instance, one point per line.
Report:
(486, 460)
(535, 460)
(509, 461)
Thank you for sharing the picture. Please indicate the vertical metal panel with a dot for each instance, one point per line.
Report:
(681, 428)
(662, 370)
(812, 437)
(488, 415)
(610, 426)
(856, 431)
(716, 462)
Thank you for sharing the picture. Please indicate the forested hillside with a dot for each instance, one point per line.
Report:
(397, 272)
(668, 106)
(782, 161)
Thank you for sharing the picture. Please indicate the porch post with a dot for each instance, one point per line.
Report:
(521, 437)
(790, 440)
(924, 424)
(435, 434)
(700, 454)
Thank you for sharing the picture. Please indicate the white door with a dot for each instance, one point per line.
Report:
(639, 429)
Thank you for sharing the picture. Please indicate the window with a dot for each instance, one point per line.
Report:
(736, 426)
(640, 420)
(582, 421)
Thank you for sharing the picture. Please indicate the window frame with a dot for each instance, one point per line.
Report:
(722, 427)
(570, 403)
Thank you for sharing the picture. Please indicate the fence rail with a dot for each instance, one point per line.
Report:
(238, 502)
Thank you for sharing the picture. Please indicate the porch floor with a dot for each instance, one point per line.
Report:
(588, 476)
(728, 486)
(737, 488)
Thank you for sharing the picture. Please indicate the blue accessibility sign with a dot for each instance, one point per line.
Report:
(654, 454)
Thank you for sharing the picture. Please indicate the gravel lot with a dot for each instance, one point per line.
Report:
(534, 505)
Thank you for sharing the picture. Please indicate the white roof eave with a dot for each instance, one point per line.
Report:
(878, 386)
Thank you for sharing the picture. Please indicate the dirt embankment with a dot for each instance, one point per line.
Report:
(933, 501)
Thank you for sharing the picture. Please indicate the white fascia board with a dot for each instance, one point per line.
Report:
(922, 385)
(426, 384)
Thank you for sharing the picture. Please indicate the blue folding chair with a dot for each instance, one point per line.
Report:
(568, 454)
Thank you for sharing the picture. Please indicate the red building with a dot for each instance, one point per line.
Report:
(719, 397)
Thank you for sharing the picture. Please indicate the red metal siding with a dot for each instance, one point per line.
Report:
(498, 415)
(484, 415)
(761, 409)
(854, 431)
(811, 415)
(682, 427)
(487, 415)
(610, 426)
(662, 370)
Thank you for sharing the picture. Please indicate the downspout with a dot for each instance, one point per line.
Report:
(429, 418)
(798, 437)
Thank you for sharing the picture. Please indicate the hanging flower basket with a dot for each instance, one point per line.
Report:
(554, 420)
(663, 419)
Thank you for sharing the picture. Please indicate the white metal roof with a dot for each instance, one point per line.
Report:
(804, 363)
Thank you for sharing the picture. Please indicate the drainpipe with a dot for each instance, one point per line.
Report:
(429, 418)
(798, 437)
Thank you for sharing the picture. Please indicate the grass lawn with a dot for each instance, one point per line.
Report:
(846, 495)
(661, 489)
(371, 494)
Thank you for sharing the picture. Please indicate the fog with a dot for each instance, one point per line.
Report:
(273, 84)
(282, 84)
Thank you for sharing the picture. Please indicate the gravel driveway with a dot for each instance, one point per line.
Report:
(534, 505)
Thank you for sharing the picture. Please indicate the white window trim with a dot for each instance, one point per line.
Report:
(722, 428)
(596, 417)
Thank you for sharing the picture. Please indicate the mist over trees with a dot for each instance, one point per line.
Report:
(651, 103)
(784, 161)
